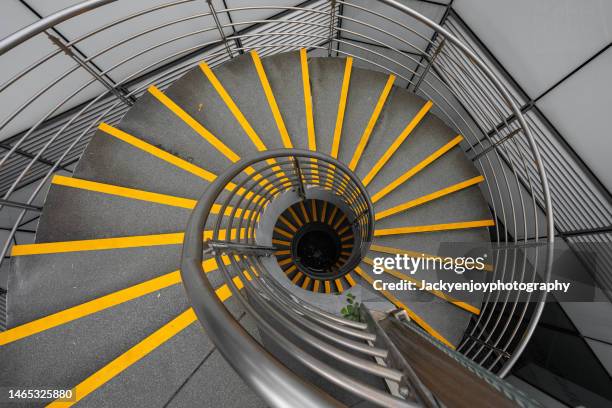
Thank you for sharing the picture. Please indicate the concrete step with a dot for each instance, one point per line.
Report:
(112, 161)
(45, 284)
(187, 370)
(326, 77)
(285, 76)
(64, 356)
(75, 214)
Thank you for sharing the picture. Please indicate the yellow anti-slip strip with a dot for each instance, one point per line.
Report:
(331, 216)
(99, 304)
(281, 242)
(288, 224)
(169, 158)
(418, 284)
(89, 308)
(159, 153)
(306, 283)
(312, 141)
(434, 227)
(397, 142)
(242, 120)
(304, 212)
(410, 173)
(429, 197)
(414, 254)
(365, 137)
(323, 211)
(124, 192)
(175, 238)
(339, 285)
(416, 318)
(341, 108)
(229, 102)
(139, 351)
(297, 277)
(136, 194)
(194, 124)
(278, 118)
(308, 110)
(283, 232)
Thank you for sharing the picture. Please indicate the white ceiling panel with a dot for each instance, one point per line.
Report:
(539, 42)
(580, 109)
(16, 97)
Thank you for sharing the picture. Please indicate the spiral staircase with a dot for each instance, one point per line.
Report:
(253, 197)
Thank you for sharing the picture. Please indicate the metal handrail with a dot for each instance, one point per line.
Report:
(258, 368)
(456, 74)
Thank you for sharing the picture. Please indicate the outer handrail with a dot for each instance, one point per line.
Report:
(51, 20)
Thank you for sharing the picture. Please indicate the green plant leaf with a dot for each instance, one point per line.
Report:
(344, 311)
(350, 301)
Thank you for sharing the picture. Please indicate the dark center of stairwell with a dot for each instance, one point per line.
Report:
(314, 241)
(316, 248)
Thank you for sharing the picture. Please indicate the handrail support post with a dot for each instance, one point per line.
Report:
(430, 62)
(224, 247)
(298, 173)
(115, 90)
(332, 16)
(220, 28)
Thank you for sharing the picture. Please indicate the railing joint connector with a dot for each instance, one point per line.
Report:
(496, 144)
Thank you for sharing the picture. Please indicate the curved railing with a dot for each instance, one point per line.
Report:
(241, 195)
(91, 79)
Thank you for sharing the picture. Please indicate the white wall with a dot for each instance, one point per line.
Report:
(539, 43)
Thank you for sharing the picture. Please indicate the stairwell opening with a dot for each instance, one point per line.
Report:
(316, 249)
(315, 240)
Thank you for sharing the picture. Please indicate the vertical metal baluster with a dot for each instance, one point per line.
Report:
(237, 40)
(332, 16)
(117, 91)
(218, 23)
(430, 62)
(298, 173)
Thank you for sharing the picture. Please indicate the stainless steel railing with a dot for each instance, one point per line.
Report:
(318, 340)
(247, 189)
(101, 71)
